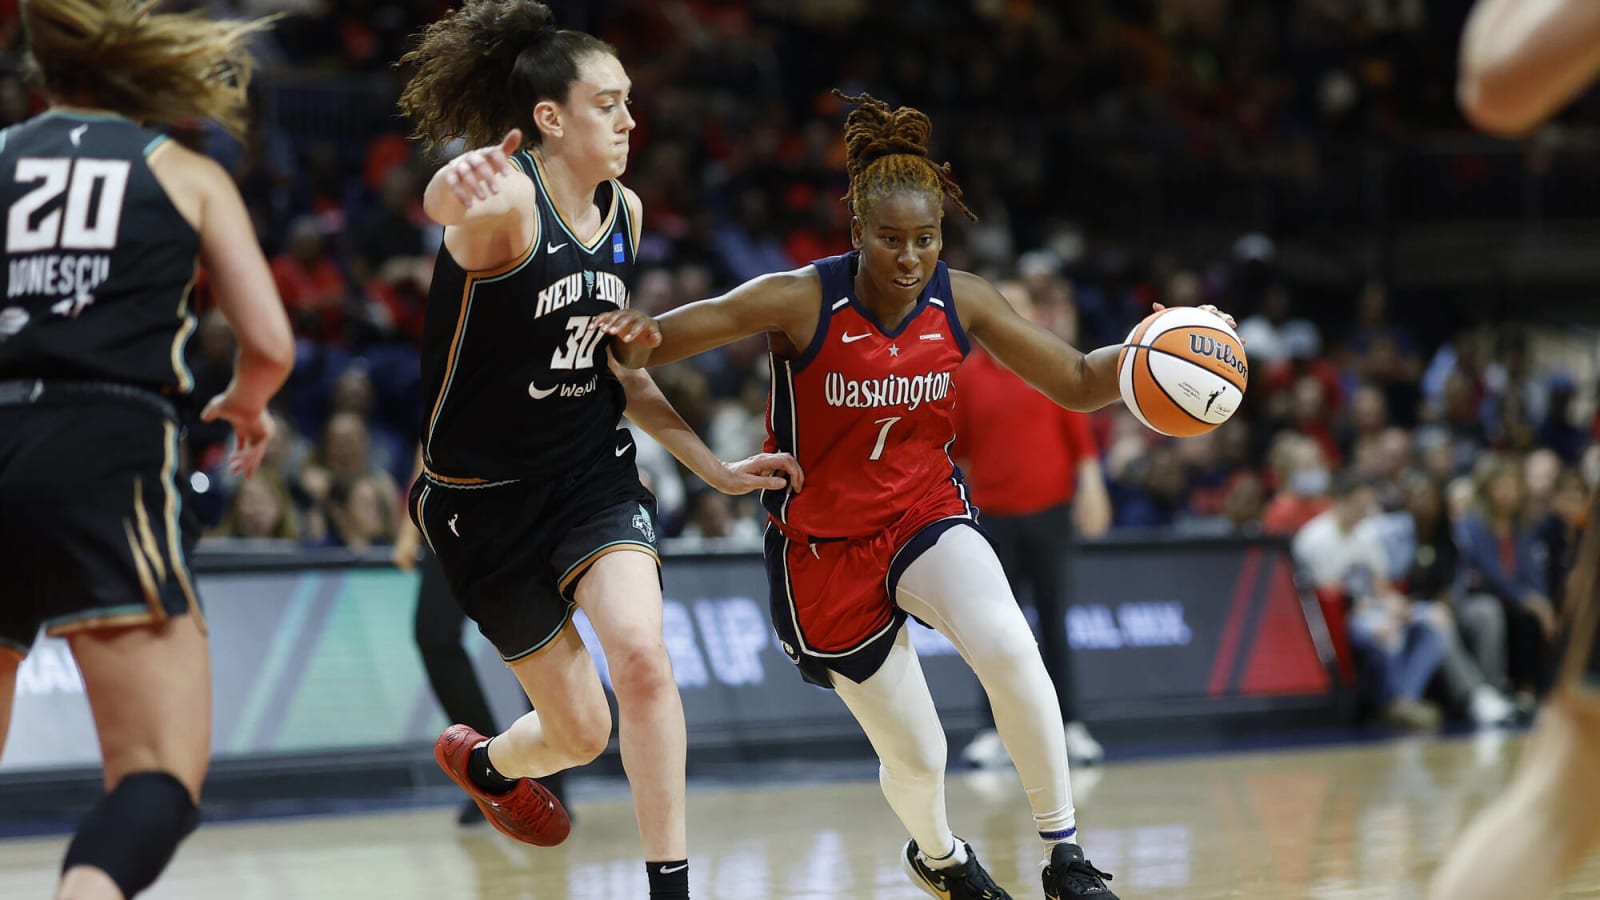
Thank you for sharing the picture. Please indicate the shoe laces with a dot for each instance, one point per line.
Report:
(977, 882)
(525, 802)
(1080, 876)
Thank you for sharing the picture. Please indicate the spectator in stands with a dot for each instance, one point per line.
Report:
(1397, 652)
(1474, 626)
(261, 509)
(1499, 558)
(1557, 531)
(1302, 479)
(363, 512)
(311, 284)
(344, 454)
(1559, 430)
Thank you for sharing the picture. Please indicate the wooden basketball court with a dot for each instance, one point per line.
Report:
(1364, 821)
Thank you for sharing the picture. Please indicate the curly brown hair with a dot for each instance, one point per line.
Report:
(886, 151)
(482, 69)
(121, 55)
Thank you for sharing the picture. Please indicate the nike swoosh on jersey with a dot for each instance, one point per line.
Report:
(551, 248)
(624, 448)
(849, 338)
(539, 393)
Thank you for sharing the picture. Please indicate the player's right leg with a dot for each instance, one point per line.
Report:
(569, 726)
(149, 687)
(896, 710)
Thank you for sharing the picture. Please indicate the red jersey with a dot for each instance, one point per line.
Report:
(1000, 414)
(869, 413)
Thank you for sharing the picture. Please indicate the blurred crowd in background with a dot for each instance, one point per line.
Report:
(1118, 154)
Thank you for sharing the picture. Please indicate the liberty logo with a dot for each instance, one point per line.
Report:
(1212, 399)
(643, 523)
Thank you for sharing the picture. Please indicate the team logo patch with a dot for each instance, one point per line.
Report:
(645, 526)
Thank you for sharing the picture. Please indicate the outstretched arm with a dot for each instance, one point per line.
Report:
(649, 409)
(1521, 60)
(1068, 376)
(1073, 379)
(785, 303)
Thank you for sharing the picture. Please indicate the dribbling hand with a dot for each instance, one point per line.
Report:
(1207, 307)
(472, 176)
(769, 471)
(252, 431)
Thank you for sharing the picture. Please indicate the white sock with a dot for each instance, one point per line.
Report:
(956, 856)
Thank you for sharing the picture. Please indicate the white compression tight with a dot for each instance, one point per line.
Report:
(958, 587)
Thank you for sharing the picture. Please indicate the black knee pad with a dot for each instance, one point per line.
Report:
(133, 831)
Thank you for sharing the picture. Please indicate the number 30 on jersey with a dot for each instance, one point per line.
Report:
(578, 352)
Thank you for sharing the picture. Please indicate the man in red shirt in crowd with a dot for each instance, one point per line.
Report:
(1034, 472)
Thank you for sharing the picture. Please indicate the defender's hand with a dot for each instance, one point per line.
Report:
(629, 326)
(762, 471)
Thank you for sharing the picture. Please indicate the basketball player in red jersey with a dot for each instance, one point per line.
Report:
(863, 349)
(1520, 61)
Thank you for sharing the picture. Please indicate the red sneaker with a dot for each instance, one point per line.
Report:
(528, 812)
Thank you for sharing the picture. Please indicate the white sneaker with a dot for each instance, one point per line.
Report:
(1488, 706)
(1082, 748)
(986, 751)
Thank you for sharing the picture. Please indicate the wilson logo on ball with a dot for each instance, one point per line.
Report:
(1205, 345)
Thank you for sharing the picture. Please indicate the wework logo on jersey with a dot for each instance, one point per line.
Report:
(572, 288)
(895, 390)
(1204, 345)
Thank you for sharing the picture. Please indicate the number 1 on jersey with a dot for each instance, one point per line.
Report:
(883, 435)
(581, 344)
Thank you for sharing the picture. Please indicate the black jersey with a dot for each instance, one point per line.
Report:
(99, 264)
(515, 383)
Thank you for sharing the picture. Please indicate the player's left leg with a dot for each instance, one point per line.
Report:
(149, 687)
(958, 587)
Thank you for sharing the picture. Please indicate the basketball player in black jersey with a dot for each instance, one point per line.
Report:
(104, 222)
(529, 494)
(1521, 60)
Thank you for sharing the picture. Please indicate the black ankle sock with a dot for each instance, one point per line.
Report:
(669, 880)
(483, 773)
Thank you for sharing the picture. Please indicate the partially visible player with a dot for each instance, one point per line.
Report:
(105, 221)
(529, 494)
(1521, 60)
(864, 347)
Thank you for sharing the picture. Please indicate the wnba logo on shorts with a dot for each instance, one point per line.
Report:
(642, 522)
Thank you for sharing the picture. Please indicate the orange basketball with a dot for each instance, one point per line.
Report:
(1182, 371)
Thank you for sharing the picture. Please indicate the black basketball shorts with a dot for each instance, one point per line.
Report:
(514, 552)
(92, 530)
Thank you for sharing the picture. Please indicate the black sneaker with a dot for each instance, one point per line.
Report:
(967, 881)
(1070, 875)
